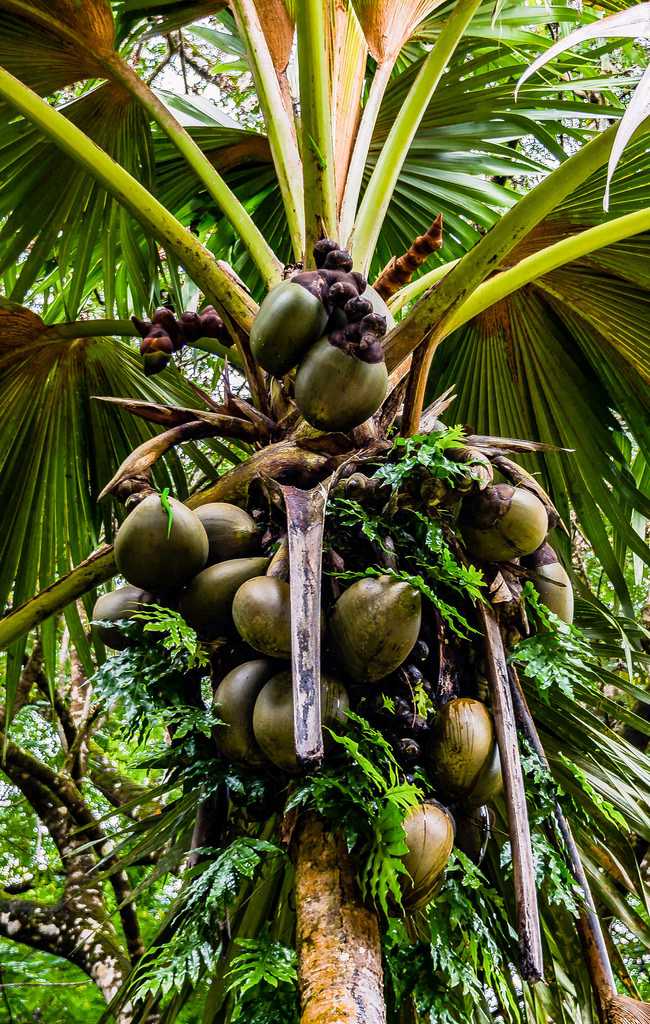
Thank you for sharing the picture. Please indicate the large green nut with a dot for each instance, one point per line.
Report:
(374, 626)
(429, 830)
(261, 612)
(234, 700)
(232, 533)
(207, 603)
(121, 603)
(155, 557)
(273, 717)
(461, 747)
(337, 391)
(551, 581)
(289, 320)
(502, 523)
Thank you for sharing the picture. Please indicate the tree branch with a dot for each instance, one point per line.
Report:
(31, 673)
(68, 932)
(61, 807)
(120, 791)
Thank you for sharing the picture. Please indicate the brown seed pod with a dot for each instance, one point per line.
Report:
(232, 533)
(212, 326)
(489, 784)
(356, 309)
(338, 259)
(234, 700)
(164, 318)
(157, 340)
(429, 832)
(190, 327)
(207, 602)
(155, 362)
(121, 603)
(473, 832)
(261, 611)
(460, 746)
(551, 581)
(321, 250)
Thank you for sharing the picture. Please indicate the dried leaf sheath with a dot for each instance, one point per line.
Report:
(305, 525)
(528, 926)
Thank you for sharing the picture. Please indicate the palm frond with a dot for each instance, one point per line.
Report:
(58, 448)
(79, 230)
(634, 22)
(50, 44)
(159, 17)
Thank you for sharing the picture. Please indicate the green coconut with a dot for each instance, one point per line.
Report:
(234, 700)
(232, 533)
(502, 523)
(461, 745)
(551, 581)
(207, 603)
(121, 603)
(156, 556)
(273, 716)
(337, 391)
(289, 320)
(374, 626)
(429, 832)
(261, 612)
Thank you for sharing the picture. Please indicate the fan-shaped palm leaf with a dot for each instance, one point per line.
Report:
(566, 360)
(90, 238)
(470, 133)
(49, 44)
(58, 449)
(633, 23)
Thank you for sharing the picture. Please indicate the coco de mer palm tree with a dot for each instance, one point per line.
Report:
(365, 582)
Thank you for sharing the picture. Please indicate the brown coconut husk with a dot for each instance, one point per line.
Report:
(623, 1010)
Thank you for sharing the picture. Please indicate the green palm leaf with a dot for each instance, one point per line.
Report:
(158, 17)
(58, 448)
(468, 138)
(50, 44)
(566, 360)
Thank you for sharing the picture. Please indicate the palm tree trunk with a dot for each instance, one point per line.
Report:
(339, 952)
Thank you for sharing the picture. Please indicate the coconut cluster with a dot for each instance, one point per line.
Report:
(327, 324)
(226, 571)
